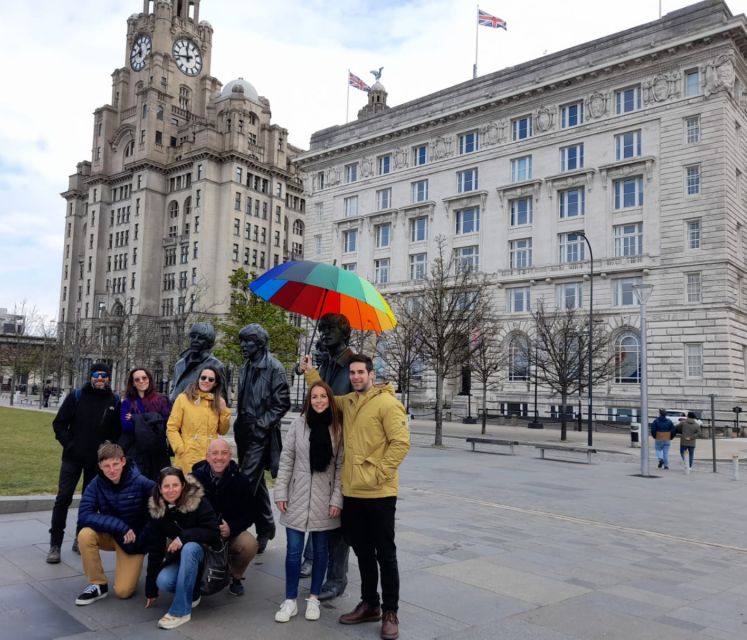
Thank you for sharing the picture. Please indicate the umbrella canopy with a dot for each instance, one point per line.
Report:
(313, 289)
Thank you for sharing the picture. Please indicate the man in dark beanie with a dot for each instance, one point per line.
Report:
(88, 417)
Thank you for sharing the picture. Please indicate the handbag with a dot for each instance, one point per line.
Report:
(215, 572)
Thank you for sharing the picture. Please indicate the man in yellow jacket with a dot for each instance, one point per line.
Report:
(376, 439)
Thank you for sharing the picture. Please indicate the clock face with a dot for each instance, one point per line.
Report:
(140, 50)
(187, 57)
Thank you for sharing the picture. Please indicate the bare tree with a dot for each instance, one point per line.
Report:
(487, 359)
(445, 308)
(562, 354)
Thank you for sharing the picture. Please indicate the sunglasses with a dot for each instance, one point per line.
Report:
(99, 374)
(207, 379)
(143, 379)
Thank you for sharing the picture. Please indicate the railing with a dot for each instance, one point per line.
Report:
(126, 114)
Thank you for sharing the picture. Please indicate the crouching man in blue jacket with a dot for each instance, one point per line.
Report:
(113, 516)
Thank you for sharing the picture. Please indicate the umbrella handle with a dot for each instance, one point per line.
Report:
(309, 346)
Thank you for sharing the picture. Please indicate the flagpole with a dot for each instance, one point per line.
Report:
(347, 101)
(477, 26)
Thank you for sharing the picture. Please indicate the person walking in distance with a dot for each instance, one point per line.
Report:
(662, 431)
(377, 439)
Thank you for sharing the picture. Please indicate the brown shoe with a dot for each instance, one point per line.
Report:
(364, 612)
(389, 626)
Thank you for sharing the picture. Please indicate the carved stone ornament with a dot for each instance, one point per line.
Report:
(596, 104)
(544, 120)
(662, 87)
(442, 148)
(400, 158)
(333, 176)
(720, 75)
(366, 168)
(489, 134)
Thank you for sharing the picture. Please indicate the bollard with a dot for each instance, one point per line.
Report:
(735, 459)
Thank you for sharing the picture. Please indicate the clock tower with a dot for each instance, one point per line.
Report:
(188, 181)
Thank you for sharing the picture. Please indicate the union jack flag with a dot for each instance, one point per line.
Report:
(355, 81)
(486, 20)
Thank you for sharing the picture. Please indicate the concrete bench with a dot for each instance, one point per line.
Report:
(504, 443)
(559, 447)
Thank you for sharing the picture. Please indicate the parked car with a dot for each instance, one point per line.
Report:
(678, 415)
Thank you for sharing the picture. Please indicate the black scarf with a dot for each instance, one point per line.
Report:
(320, 442)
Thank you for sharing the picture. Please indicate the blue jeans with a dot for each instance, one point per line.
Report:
(662, 451)
(180, 578)
(293, 561)
(690, 452)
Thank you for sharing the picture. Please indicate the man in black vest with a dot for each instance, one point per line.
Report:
(264, 398)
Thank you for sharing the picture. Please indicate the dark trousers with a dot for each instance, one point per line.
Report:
(368, 525)
(70, 472)
(253, 457)
(337, 568)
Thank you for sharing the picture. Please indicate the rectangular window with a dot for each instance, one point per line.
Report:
(239, 175)
(317, 245)
(350, 266)
(521, 169)
(627, 145)
(628, 99)
(419, 229)
(692, 83)
(383, 235)
(466, 180)
(351, 172)
(381, 271)
(383, 199)
(692, 129)
(571, 247)
(420, 155)
(572, 158)
(237, 202)
(572, 203)
(351, 206)
(236, 227)
(467, 220)
(521, 253)
(628, 239)
(692, 180)
(418, 266)
(235, 253)
(320, 180)
(628, 192)
(622, 292)
(467, 258)
(419, 191)
(518, 300)
(350, 240)
(693, 234)
(521, 211)
(694, 287)
(571, 115)
(468, 142)
(521, 128)
(384, 164)
(694, 360)
(570, 295)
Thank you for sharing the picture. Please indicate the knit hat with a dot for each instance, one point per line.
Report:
(101, 366)
(662, 412)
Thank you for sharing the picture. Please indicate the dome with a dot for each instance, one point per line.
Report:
(240, 86)
(377, 86)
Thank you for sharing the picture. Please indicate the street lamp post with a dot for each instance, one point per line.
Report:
(535, 424)
(591, 332)
(643, 293)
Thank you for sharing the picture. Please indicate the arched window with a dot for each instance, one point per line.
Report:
(129, 149)
(159, 113)
(173, 209)
(187, 206)
(298, 227)
(518, 358)
(117, 309)
(628, 358)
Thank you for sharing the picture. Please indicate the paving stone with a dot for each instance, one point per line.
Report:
(25, 613)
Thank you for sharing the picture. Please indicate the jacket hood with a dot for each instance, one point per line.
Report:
(193, 493)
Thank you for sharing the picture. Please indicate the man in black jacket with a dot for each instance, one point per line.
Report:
(195, 359)
(87, 417)
(264, 398)
(230, 495)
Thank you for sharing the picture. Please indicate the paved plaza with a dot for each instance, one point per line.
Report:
(490, 546)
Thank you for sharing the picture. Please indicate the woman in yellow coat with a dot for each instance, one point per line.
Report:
(199, 415)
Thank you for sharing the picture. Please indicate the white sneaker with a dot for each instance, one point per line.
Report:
(312, 609)
(287, 610)
(172, 622)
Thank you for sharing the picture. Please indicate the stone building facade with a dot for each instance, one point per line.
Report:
(188, 180)
(636, 139)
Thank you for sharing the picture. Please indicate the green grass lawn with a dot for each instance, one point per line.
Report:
(29, 454)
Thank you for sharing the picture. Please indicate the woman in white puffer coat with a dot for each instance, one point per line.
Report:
(308, 494)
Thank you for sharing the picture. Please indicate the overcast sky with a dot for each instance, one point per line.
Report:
(59, 57)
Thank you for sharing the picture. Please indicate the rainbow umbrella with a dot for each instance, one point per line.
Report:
(314, 288)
